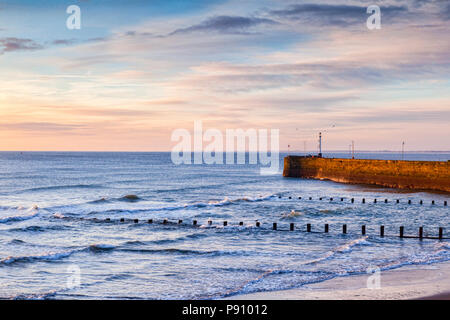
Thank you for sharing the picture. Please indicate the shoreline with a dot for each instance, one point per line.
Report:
(429, 282)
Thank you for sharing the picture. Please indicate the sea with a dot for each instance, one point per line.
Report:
(99, 225)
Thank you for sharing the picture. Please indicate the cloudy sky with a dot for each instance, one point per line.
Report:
(137, 70)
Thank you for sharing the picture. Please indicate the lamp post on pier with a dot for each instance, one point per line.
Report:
(320, 144)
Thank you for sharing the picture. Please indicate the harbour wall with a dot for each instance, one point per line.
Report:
(414, 175)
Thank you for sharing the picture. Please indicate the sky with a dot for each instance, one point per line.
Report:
(139, 69)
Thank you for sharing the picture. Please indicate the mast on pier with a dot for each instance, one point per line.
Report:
(320, 144)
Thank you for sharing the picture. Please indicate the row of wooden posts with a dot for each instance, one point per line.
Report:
(364, 200)
(308, 228)
(363, 231)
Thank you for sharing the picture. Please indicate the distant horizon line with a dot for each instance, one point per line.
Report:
(281, 151)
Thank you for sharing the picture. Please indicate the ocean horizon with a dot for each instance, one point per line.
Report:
(61, 212)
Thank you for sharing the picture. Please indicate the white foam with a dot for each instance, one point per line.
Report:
(48, 256)
(59, 215)
(16, 218)
(54, 256)
(345, 248)
(293, 213)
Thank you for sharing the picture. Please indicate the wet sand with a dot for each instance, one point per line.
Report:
(409, 282)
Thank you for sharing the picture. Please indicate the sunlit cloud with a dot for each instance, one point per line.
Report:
(301, 68)
(11, 44)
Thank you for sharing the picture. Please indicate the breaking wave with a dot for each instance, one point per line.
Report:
(60, 187)
(345, 248)
(19, 214)
(55, 256)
